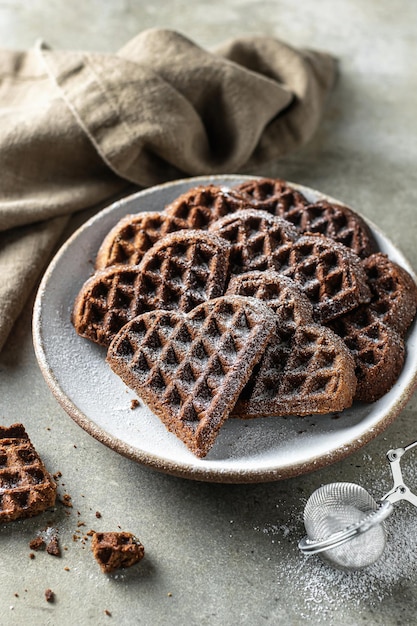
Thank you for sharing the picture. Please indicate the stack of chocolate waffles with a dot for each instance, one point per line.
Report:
(247, 302)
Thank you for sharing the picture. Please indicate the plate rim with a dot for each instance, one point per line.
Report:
(188, 470)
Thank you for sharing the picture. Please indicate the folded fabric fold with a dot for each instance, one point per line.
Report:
(76, 128)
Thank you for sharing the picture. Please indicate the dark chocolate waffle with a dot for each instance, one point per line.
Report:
(306, 368)
(285, 297)
(256, 239)
(201, 206)
(179, 272)
(378, 350)
(273, 195)
(333, 220)
(26, 488)
(190, 369)
(330, 274)
(311, 372)
(394, 292)
(134, 235)
(341, 224)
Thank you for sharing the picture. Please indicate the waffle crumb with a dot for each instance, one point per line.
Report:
(37, 544)
(116, 550)
(52, 547)
(49, 595)
(66, 500)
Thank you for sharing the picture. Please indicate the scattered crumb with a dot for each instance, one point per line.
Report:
(57, 475)
(106, 612)
(67, 569)
(66, 500)
(134, 403)
(37, 544)
(53, 547)
(169, 594)
(80, 524)
(16, 595)
(31, 555)
(98, 514)
(49, 595)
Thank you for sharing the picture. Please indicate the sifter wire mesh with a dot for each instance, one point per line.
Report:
(334, 507)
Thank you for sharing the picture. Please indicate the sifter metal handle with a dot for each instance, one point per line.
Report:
(399, 490)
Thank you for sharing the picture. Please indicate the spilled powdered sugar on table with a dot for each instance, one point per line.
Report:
(323, 594)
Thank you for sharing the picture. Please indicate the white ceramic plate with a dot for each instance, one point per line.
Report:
(245, 451)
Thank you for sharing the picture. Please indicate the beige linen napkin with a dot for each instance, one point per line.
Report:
(77, 128)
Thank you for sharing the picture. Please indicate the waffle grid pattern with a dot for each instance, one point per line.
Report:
(26, 488)
(377, 349)
(282, 294)
(335, 221)
(256, 238)
(133, 236)
(202, 206)
(179, 272)
(274, 196)
(306, 368)
(192, 367)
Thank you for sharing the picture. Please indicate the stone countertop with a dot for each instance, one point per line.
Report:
(218, 553)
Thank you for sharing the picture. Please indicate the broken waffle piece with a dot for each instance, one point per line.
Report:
(116, 550)
(134, 235)
(190, 368)
(26, 487)
(179, 272)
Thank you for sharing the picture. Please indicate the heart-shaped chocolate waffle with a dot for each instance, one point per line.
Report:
(179, 272)
(330, 274)
(273, 195)
(282, 294)
(378, 350)
(394, 292)
(333, 220)
(306, 368)
(375, 333)
(134, 235)
(200, 206)
(256, 239)
(190, 368)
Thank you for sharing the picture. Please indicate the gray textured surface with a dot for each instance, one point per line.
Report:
(224, 554)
